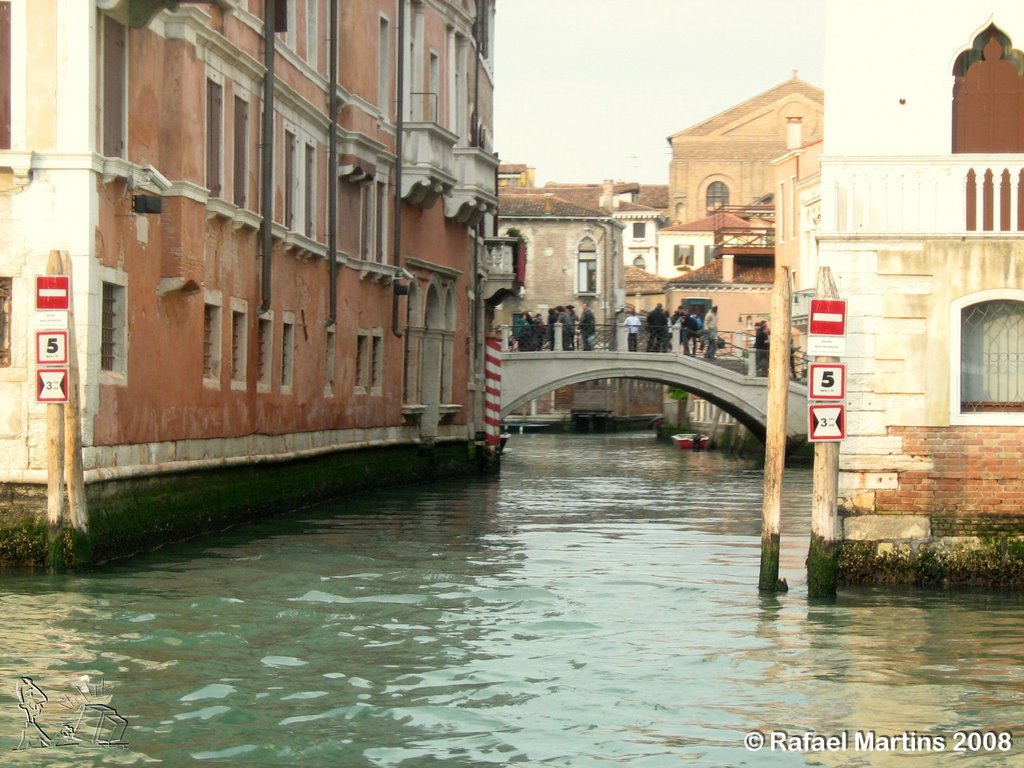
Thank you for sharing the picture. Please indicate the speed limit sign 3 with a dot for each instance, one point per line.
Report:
(826, 381)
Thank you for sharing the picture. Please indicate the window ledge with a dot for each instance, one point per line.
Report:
(376, 272)
(449, 408)
(304, 245)
(217, 207)
(991, 419)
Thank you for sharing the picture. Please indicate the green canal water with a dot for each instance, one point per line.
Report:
(595, 605)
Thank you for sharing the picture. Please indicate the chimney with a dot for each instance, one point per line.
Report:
(794, 133)
(727, 268)
(607, 199)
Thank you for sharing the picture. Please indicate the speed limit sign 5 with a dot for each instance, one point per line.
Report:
(51, 347)
(826, 381)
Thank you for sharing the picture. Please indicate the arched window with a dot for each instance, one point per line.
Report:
(718, 195)
(988, 96)
(586, 260)
(990, 378)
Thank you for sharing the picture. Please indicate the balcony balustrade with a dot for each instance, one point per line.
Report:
(428, 163)
(949, 195)
(504, 267)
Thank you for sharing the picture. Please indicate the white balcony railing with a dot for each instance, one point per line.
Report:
(953, 194)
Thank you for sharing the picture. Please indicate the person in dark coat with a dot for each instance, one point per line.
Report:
(761, 345)
(588, 328)
(657, 322)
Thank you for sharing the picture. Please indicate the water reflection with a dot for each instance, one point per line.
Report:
(596, 605)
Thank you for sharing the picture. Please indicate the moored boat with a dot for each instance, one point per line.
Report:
(690, 441)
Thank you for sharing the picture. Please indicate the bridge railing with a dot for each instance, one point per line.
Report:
(733, 349)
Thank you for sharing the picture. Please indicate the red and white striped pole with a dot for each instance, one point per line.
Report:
(492, 391)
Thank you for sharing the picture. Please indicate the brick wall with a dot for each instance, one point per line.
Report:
(976, 471)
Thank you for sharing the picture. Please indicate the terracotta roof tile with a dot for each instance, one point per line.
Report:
(754, 271)
(534, 206)
(710, 223)
(636, 279)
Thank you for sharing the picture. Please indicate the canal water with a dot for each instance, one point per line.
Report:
(595, 605)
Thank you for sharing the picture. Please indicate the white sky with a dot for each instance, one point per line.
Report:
(587, 90)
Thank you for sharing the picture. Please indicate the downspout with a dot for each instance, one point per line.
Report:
(332, 170)
(398, 288)
(267, 153)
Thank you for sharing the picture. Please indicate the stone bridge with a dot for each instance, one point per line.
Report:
(528, 375)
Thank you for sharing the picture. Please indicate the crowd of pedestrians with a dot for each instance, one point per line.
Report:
(695, 326)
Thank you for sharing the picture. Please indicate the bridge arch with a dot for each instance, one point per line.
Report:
(528, 375)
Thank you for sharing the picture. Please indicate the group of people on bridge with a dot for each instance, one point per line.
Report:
(698, 329)
(531, 333)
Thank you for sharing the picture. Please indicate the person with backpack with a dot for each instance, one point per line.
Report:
(691, 327)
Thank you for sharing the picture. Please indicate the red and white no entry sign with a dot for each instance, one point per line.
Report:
(53, 292)
(828, 317)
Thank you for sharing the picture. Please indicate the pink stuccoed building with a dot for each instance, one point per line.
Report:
(276, 215)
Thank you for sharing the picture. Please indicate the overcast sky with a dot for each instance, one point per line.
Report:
(588, 90)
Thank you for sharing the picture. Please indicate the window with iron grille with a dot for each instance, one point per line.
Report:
(329, 363)
(363, 361)
(264, 349)
(6, 287)
(112, 328)
(377, 372)
(238, 346)
(992, 357)
(211, 342)
(287, 353)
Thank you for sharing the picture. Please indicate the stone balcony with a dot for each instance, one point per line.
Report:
(978, 195)
(428, 163)
(504, 266)
(474, 192)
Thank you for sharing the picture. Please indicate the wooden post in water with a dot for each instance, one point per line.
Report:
(775, 433)
(55, 459)
(823, 554)
(73, 470)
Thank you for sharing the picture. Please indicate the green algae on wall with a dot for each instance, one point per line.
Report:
(992, 563)
(138, 514)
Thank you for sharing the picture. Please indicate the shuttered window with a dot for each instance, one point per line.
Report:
(214, 138)
(114, 82)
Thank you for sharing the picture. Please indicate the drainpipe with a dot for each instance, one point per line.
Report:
(332, 170)
(267, 153)
(398, 288)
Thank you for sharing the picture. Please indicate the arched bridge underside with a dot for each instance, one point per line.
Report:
(528, 375)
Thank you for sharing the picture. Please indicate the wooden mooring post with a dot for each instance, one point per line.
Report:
(823, 552)
(775, 433)
(64, 467)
